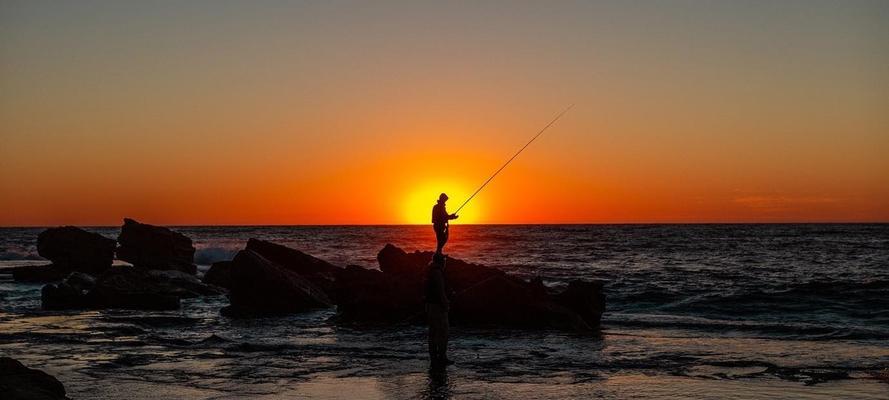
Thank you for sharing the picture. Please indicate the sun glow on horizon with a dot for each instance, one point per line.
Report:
(331, 113)
(417, 207)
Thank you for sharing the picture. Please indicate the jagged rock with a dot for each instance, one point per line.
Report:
(154, 247)
(68, 294)
(74, 249)
(183, 285)
(481, 295)
(125, 287)
(262, 287)
(461, 275)
(587, 299)
(367, 295)
(38, 273)
(130, 288)
(321, 273)
(18, 382)
(509, 301)
(219, 274)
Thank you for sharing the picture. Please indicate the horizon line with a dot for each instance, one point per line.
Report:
(472, 224)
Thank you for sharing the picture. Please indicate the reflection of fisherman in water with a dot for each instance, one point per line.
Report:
(437, 305)
(440, 218)
(439, 387)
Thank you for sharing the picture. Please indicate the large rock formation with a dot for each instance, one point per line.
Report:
(585, 298)
(509, 301)
(154, 247)
(70, 293)
(371, 296)
(461, 275)
(183, 284)
(219, 274)
(481, 295)
(18, 382)
(74, 249)
(129, 288)
(321, 273)
(263, 287)
(37, 273)
(125, 287)
(70, 249)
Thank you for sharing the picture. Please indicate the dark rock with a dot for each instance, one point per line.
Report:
(321, 273)
(480, 295)
(125, 287)
(18, 382)
(183, 285)
(154, 247)
(412, 266)
(262, 287)
(585, 298)
(74, 249)
(509, 301)
(129, 288)
(371, 296)
(68, 294)
(38, 273)
(219, 274)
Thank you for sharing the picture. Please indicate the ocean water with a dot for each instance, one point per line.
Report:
(694, 311)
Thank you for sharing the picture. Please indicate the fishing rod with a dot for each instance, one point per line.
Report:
(514, 156)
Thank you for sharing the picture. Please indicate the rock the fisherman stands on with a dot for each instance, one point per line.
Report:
(483, 296)
(268, 279)
(154, 247)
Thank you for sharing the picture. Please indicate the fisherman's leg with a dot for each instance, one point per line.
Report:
(440, 240)
(443, 239)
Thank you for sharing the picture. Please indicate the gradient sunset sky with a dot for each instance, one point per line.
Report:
(331, 112)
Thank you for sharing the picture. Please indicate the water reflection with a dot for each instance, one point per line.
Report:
(439, 387)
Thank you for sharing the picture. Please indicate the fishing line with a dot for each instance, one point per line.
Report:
(514, 156)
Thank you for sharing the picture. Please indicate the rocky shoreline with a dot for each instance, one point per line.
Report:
(267, 279)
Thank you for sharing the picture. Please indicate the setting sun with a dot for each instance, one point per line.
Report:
(418, 204)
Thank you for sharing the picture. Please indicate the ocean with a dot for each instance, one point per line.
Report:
(693, 311)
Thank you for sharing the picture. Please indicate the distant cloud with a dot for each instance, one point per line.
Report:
(780, 202)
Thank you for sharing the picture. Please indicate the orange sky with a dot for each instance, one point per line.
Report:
(220, 113)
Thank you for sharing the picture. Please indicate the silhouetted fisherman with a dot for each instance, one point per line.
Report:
(440, 218)
(437, 306)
